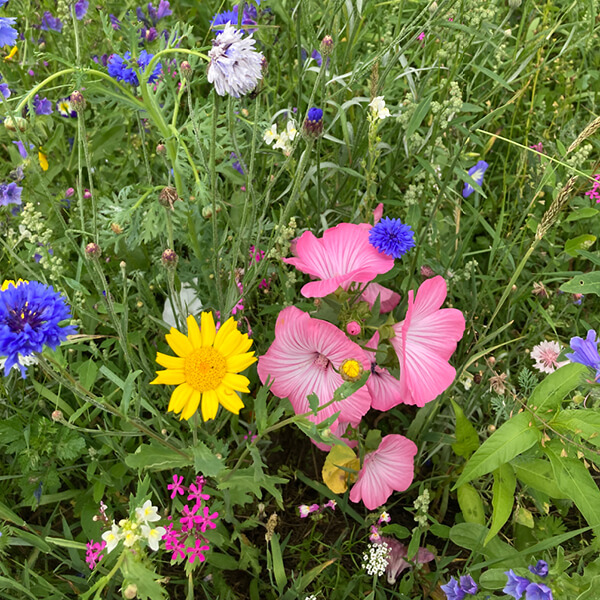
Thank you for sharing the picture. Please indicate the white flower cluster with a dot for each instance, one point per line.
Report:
(235, 66)
(282, 140)
(134, 530)
(376, 559)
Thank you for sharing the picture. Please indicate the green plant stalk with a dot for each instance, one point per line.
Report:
(213, 189)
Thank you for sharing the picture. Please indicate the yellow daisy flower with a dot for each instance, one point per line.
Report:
(206, 368)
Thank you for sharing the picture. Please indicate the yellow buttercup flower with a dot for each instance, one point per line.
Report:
(206, 368)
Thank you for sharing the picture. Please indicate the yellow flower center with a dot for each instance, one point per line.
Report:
(205, 368)
(351, 370)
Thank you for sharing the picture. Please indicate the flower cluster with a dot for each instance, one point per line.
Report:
(305, 509)
(123, 68)
(516, 585)
(594, 192)
(310, 356)
(30, 317)
(235, 67)
(184, 535)
(148, 31)
(378, 109)
(284, 140)
(457, 590)
(376, 559)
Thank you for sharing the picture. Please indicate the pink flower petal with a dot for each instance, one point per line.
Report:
(389, 468)
(388, 299)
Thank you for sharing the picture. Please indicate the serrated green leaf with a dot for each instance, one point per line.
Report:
(157, 458)
(550, 392)
(467, 440)
(503, 497)
(511, 439)
(313, 402)
(146, 580)
(471, 504)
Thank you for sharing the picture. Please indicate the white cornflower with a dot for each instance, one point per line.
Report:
(112, 537)
(546, 355)
(153, 535)
(271, 135)
(376, 559)
(147, 513)
(377, 106)
(235, 66)
(24, 360)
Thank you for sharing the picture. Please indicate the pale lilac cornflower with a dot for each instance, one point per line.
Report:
(235, 66)
(594, 193)
(176, 487)
(546, 355)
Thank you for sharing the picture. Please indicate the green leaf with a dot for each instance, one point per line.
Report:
(549, 394)
(467, 440)
(277, 563)
(583, 422)
(537, 473)
(582, 213)
(470, 504)
(260, 409)
(397, 531)
(206, 462)
(313, 402)
(493, 579)
(586, 283)
(575, 481)
(350, 387)
(243, 481)
(157, 458)
(503, 497)
(136, 572)
(6, 514)
(24, 538)
(581, 242)
(418, 116)
(510, 440)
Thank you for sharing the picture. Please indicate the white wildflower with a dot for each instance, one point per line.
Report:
(235, 66)
(153, 535)
(112, 537)
(147, 513)
(546, 355)
(376, 559)
(271, 135)
(378, 108)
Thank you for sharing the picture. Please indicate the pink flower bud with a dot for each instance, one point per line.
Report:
(69, 192)
(353, 328)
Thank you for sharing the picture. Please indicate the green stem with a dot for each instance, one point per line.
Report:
(213, 187)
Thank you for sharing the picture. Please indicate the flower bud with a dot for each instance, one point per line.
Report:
(161, 149)
(186, 70)
(433, 7)
(167, 197)
(353, 328)
(514, 3)
(92, 250)
(116, 228)
(87, 194)
(57, 416)
(169, 258)
(14, 123)
(69, 192)
(207, 212)
(78, 101)
(427, 271)
(326, 45)
(313, 124)
(130, 592)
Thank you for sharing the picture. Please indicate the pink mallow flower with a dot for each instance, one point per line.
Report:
(304, 358)
(388, 300)
(546, 355)
(397, 560)
(385, 389)
(389, 468)
(424, 342)
(341, 257)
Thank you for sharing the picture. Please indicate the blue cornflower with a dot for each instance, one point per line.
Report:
(392, 237)
(249, 15)
(119, 67)
(453, 590)
(21, 148)
(51, 23)
(468, 585)
(42, 106)
(236, 163)
(81, 8)
(538, 591)
(477, 172)
(516, 585)
(540, 569)
(10, 193)
(8, 34)
(30, 313)
(4, 89)
(313, 124)
(585, 351)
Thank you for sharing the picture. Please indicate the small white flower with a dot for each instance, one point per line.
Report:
(235, 66)
(153, 535)
(112, 537)
(147, 513)
(291, 130)
(271, 135)
(377, 106)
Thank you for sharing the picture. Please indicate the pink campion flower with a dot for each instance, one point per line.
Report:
(188, 518)
(196, 494)
(195, 551)
(546, 355)
(424, 342)
(421, 36)
(304, 358)
(176, 486)
(389, 468)
(204, 520)
(341, 257)
(384, 388)
(593, 192)
(388, 299)
(93, 553)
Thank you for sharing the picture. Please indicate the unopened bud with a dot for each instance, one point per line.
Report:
(427, 271)
(123, 265)
(92, 250)
(326, 45)
(353, 328)
(514, 3)
(14, 123)
(167, 197)
(87, 194)
(57, 416)
(313, 124)
(161, 149)
(433, 7)
(186, 70)
(116, 228)
(169, 258)
(69, 192)
(130, 591)
(78, 101)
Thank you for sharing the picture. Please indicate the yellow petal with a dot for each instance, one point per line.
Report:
(210, 404)
(11, 54)
(192, 405)
(225, 329)
(239, 362)
(169, 377)
(336, 479)
(180, 397)
(179, 343)
(43, 160)
(169, 362)
(239, 383)
(230, 400)
(207, 329)
(194, 332)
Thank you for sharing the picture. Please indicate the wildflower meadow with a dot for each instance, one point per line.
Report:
(299, 299)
